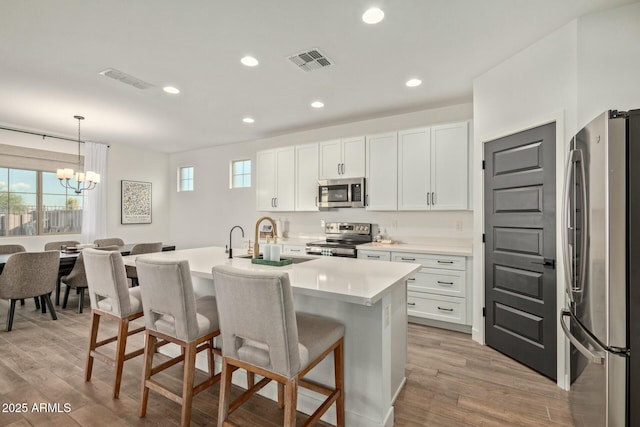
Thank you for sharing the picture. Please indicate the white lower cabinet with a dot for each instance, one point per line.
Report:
(437, 307)
(294, 249)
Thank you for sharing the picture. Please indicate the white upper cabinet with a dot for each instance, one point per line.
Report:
(450, 166)
(433, 168)
(344, 158)
(275, 185)
(414, 165)
(382, 172)
(306, 192)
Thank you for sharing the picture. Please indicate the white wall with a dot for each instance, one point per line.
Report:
(570, 76)
(205, 216)
(124, 163)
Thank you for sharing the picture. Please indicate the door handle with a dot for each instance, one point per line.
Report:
(276, 199)
(433, 198)
(272, 202)
(428, 195)
(316, 201)
(342, 168)
(596, 357)
(547, 263)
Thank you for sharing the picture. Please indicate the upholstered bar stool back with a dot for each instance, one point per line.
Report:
(173, 313)
(263, 334)
(111, 298)
(109, 241)
(137, 249)
(26, 275)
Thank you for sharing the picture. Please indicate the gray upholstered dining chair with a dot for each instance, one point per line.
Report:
(56, 246)
(110, 241)
(263, 334)
(77, 279)
(27, 275)
(111, 298)
(173, 313)
(137, 249)
(13, 249)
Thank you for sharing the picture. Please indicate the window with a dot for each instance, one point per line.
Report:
(185, 178)
(33, 202)
(240, 174)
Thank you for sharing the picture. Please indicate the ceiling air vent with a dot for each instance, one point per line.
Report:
(310, 60)
(126, 78)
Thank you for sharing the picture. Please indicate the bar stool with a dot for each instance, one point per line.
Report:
(111, 298)
(173, 313)
(137, 249)
(263, 334)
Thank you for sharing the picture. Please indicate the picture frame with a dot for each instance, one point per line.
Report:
(135, 200)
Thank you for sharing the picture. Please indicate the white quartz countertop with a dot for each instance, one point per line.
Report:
(437, 247)
(349, 280)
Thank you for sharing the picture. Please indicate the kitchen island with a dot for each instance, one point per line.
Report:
(368, 297)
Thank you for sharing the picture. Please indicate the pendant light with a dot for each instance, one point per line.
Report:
(84, 181)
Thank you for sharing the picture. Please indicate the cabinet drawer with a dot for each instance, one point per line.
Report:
(437, 307)
(432, 261)
(439, 281)
(375, 255)
(296, 249)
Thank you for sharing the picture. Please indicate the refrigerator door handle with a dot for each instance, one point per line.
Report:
(566, 253)
(584, 225)
(596, 357)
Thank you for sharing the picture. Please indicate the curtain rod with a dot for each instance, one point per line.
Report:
(44, 135)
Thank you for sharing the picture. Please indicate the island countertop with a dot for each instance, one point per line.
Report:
(351, 280)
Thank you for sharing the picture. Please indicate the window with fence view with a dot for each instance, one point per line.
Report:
(33, 202)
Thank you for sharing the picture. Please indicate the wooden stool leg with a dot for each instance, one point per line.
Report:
(338, 360)
(211, 359)
(93, 337)
(225, 392)
(123, 329)
(187, 382)
(280, 395)
(290, 402)
(149, 349)
(251, 380)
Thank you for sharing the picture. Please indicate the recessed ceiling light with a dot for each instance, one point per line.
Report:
(248, 120)
(249, 61)
(317, 104)
(413, 82)
(172, 90)
(373, 15)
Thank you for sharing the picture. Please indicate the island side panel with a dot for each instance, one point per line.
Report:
(395, 333)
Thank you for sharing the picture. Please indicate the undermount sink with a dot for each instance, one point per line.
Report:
(294, 260)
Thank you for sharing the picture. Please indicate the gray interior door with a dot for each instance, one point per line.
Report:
(520, 247)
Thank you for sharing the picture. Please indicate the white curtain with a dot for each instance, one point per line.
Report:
(94, 211)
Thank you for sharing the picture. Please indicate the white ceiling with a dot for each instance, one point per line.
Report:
(51, 52)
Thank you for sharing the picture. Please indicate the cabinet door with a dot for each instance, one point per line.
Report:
(266, 180)
(285, 179)
(414, 160)
(450, 166)
(330, 159)
(306, 196)
(353, 157)
(382, 172)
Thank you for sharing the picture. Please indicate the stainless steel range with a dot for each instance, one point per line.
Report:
(341, 239)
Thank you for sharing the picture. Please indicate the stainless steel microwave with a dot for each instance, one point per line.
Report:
(341, 193)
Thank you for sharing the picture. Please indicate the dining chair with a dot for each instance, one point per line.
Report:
(137, 249)
(110, 241)
(26, 275)
(112, 299)
(56, 246)
(263, 334)
(173, 313)
(77, 279)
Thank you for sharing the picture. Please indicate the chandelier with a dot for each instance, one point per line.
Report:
(84, 181)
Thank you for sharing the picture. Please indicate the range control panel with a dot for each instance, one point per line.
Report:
(347, 228)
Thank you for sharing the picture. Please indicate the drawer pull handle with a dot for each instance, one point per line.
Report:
(413, 279)
(445, 309)
(445, 262)
(412, 304)
(407, 259)
(373, 256)
(445, 283)
(294, 250)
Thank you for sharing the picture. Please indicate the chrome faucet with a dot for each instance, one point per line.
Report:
(256, 245)
(230, 233)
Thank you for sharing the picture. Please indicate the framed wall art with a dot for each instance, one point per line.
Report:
(136, 202)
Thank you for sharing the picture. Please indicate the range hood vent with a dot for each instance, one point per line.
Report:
(126, 78)
(310, 60)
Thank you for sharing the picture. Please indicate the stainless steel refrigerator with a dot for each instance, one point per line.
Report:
(601, 245)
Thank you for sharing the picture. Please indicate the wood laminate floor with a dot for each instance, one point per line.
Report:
(451, 381)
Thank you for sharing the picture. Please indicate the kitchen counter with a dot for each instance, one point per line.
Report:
(368, 297)
(460, 247)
